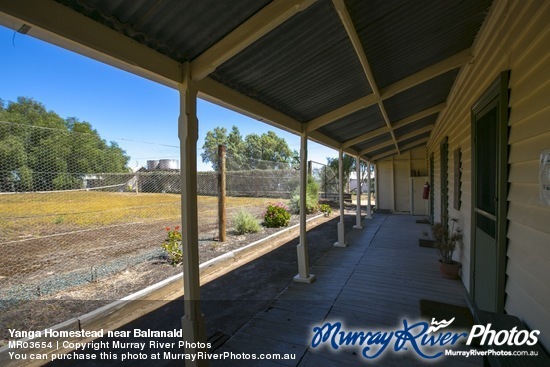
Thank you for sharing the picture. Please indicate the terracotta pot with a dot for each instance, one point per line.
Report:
(449, 271)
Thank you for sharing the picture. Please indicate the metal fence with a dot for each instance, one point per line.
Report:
(326, 178)
(64, 224)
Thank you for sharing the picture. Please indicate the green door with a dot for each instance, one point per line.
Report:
(489, 130)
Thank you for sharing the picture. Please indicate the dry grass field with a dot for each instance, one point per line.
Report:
(65, 254)
(33, 215)
(47, 235)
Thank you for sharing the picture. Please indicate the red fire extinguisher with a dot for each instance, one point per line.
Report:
(426, 192)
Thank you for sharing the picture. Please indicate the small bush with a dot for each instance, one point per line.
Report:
(172, 245)
(276, 215)
(245, 222)
(325, 209)
(312, 197)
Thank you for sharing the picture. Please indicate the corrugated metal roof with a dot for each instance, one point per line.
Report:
(375, 141)
(306, 67)
(181, 30)
(381, 151)
(355, 124)
(420, 97)
(416, 138)
(419, 124)
(401, 38)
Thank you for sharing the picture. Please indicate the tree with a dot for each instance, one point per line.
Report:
(266, 151)
(348, 163)
(235, 150)
(39, 150)
(216, 137)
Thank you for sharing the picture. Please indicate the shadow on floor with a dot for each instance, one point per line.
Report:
(228, 302)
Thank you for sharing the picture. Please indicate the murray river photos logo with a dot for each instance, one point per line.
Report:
(428, 341)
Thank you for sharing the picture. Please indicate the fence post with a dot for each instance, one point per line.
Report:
(137, 183)
(221, 193)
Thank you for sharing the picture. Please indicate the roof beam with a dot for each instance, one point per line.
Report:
(356, 42)
(331, 143)
(403, 149)
(415, 79)
(221, 95)
(419, 115)
(374, 148)
(366, 136)
(341, 112)
(428, 73)
(267, 19)
(384, 144)
(217, 93)
(383, 155)
(60, 25)
(406, 121)
(416, 132)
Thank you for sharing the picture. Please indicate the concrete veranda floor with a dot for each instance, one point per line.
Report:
(373, 284)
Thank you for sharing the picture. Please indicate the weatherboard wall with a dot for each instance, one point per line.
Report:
(515, 37)
(393, 177)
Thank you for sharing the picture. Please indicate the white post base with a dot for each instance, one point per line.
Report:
(299, 279)
(337, 244)
(191, 334)
(357, 226)
(341, 241)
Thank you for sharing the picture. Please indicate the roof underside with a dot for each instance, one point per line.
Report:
(370, 76)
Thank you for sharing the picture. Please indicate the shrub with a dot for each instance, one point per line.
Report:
(172, 245)
(245, 222)
(276, 215)
(325, 209)
(312, 197)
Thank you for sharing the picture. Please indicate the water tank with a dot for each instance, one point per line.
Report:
(152, 165)
(167, 164)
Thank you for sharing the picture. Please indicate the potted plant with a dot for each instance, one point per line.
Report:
(446, 242)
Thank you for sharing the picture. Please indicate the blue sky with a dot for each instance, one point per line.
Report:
(122, 107)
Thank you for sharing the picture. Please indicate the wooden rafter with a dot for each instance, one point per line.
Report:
(57, 24)
(415, 133)
(341, 112)
(426, 74)
(419, 115)
(406, 121)
(404, 148)
(395, 88)
(356, 42)
(221, 95)
(405, 137)
(366, 136)
(267, 19)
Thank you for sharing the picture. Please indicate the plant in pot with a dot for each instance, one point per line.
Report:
(446, 242)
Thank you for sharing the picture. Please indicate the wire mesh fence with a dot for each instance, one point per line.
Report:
(72, 212)
(326, 178)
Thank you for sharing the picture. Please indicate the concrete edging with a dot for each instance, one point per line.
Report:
(131, 307)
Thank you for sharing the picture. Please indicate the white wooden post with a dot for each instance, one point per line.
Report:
(358, 224)
(341, 235)
(194, 330)
(369, 215)
(303, 275)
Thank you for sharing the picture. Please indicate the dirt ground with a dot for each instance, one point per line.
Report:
(231, 300)
(49, 309)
